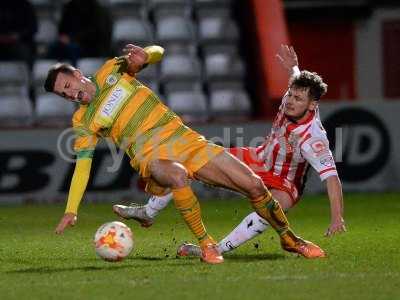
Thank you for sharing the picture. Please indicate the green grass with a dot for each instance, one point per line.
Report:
(362, 264)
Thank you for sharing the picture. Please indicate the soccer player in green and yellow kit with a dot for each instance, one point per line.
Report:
(165, 152)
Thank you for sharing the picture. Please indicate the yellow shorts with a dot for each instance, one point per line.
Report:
(189, 148)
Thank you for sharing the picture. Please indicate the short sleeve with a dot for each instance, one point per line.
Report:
(85, 139)
(316, 152)
(84, 146)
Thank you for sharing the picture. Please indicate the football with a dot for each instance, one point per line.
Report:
(113, 241)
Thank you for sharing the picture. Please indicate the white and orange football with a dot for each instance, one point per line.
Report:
(113, 241)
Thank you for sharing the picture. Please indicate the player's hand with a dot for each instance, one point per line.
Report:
(135, 57)
(287, 57)
(337, 226)
(69, 219)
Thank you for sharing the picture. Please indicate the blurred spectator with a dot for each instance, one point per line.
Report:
(84, 31)
(18, 24)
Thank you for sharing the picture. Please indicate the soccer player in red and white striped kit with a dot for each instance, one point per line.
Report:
(296, 141)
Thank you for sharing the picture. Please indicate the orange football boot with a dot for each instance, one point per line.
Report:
(292, 243)
(210, 254)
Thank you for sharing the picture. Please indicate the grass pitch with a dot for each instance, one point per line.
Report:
(362, 264)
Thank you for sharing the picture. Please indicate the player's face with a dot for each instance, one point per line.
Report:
(74, 86)
(298, 103)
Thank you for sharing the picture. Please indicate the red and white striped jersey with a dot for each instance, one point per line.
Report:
(291, 147)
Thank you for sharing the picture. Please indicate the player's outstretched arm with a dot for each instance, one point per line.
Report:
(78, 186)
(288, 59)
(138, 58)
(335, 195)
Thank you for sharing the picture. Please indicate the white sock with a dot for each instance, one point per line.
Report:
(157, 204)
(251, 226)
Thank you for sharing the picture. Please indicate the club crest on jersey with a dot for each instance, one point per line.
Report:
(293, 139)
(111, 79)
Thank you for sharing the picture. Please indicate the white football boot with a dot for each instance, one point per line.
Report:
(134, 211)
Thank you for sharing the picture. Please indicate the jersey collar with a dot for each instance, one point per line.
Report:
(305, 121)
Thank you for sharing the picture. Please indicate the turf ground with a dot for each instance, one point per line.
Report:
(362, 264)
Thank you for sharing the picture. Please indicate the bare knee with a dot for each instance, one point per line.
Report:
(178, 176)
(256, 187)
(283, 198)
(169, 173)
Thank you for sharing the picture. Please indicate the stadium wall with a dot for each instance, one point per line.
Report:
(34, 163)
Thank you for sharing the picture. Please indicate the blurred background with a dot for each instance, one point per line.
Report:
(219, 72)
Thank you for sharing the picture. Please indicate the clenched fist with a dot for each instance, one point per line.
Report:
(135, 58)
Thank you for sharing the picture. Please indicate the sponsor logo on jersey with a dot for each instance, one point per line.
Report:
(318, 146)
(113, 103)
(327, 161)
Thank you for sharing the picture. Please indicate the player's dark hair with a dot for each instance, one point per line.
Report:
(53, 73)
(306, 79)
